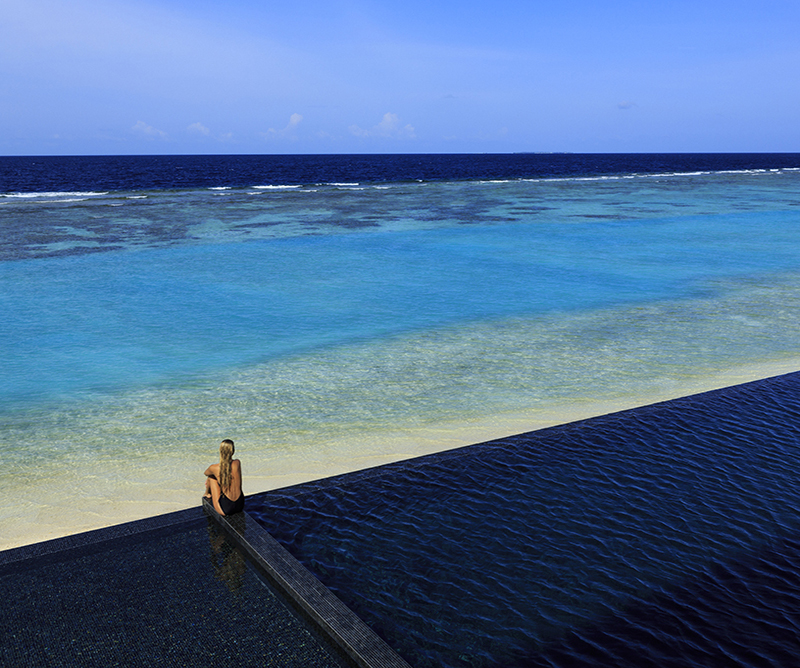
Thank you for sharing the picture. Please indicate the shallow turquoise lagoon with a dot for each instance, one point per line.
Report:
(329, 327)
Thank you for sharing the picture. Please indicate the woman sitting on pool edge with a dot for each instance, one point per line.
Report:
(224, 481)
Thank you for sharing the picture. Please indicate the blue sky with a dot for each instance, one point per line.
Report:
(256, 76)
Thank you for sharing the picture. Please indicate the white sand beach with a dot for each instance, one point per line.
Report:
(140, 492)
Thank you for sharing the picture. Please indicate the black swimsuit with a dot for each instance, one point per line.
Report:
(231, 507)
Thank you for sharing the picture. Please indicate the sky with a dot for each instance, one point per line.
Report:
(114, 77)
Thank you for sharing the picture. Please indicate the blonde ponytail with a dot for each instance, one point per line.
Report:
(226, 451)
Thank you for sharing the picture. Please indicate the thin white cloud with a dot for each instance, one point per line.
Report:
(388, 127)
(294, 121)
(626, 104)
(199, 128)
(148, 130)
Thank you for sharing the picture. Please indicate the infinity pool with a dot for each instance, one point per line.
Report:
(662, 536)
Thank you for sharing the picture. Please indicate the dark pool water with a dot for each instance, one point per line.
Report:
(663, 536)
(177, 596)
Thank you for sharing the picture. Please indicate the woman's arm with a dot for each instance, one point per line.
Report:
(212, 471)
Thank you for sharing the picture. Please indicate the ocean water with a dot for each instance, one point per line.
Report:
(333, 312)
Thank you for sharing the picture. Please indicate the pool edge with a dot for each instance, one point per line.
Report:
(341, 625)
(96, 536)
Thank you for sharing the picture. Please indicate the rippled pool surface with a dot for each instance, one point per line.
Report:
(663, 536)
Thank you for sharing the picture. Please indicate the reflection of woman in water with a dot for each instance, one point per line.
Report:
(224, 481)
(228, 562)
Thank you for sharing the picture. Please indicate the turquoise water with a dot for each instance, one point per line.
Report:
(330, 326)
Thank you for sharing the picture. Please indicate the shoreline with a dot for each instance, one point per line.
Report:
(336, 457)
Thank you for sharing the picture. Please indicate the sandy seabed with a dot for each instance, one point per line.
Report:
(122, 500)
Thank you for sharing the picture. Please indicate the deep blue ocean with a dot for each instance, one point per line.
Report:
(122, 173)
(334, 312)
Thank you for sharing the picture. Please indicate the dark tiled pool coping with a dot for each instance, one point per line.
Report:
(82, 540)
(346, 630)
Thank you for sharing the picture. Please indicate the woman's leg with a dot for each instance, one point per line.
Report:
(212, 487)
